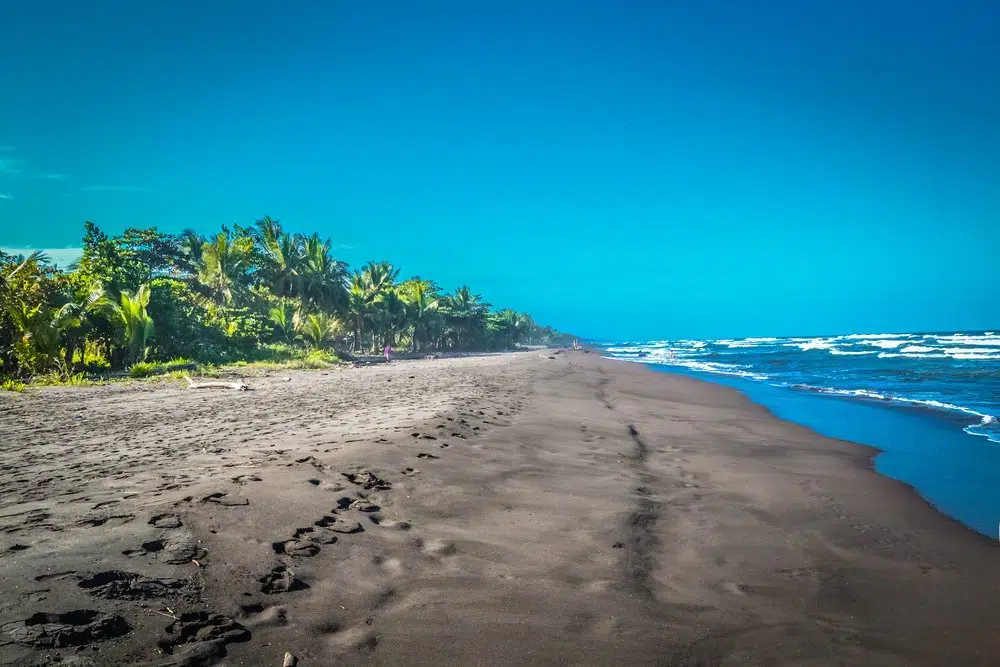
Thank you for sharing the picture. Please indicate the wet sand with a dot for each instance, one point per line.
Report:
(528, 509)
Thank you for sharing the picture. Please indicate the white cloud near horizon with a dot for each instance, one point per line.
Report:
(113, 188)
(61, 257)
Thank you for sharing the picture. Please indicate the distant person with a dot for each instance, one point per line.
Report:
(388, 352)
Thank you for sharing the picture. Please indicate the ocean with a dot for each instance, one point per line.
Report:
(929, 401)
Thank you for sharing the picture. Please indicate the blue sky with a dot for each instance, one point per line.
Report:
(622, 170)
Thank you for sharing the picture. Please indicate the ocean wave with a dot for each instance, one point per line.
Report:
(973, 356)
(940, 372)
(693, 364)
(897, 355)
(877, 336)
(968, 340)
(984, 419)
(916, 349)
(884, 344)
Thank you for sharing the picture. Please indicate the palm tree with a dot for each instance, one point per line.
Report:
(465, 313)
(421, 298)
(192, 245)
(323, 277)
(319, 329)
(391, 315)
(379, 277)
(36, 257)
(377, 280)
(504, 327)
(137, 325)
(286, 317)
(358, 304)
(225, 267)
(40, 331)
(283, 256)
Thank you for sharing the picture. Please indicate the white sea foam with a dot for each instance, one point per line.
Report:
(839, 352)
(883, 336)
(895, 355)
(973, 356)
(916, 349)
(813, 344)
(882, 343)
(970, 341)
(984, 419)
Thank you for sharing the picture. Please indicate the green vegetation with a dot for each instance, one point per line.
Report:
(146, 303)
(12, 385)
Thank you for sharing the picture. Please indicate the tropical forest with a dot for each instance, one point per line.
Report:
(146, 302)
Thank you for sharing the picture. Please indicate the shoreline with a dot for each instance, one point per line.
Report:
(870, 452)
(513, 509)
(884, 427)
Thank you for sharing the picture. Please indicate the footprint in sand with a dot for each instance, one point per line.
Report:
(340, 525)
(280, 580)
(174, 552)
(367, 480)
(72, 628)
(166, 521)
(243, 479)
(121, 585)
(115, 520)
(224, 499)
(424, 455)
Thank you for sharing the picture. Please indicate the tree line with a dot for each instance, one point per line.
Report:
(245, 293)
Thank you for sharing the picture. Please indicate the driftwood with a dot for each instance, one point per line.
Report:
(238, 385)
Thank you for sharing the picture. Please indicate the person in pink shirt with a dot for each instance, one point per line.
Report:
(388, 352)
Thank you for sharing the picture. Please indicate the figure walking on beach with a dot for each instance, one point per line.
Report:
(388, 352)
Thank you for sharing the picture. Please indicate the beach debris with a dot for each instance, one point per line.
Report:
(290, 660)
(72, 628)
(238, 385)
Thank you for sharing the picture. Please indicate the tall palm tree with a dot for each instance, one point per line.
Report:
(225, 267)
(192, 245)
(323, 277)
(358, 305)
(283, 256)
(465, 313)
(391, 315)
(379, 277)
(421, 298)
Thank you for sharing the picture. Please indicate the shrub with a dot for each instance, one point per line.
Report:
(12, 385)
(143, 369)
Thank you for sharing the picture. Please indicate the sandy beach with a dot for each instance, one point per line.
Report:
(521, 509)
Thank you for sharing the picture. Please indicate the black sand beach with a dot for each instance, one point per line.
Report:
(530, 509)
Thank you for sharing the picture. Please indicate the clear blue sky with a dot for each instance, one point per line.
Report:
(622, 170)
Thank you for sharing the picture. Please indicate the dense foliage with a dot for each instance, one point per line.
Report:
(145, 296)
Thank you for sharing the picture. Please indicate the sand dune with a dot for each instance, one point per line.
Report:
(510, 509)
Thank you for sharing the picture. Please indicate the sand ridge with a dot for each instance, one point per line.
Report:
(506, 509)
